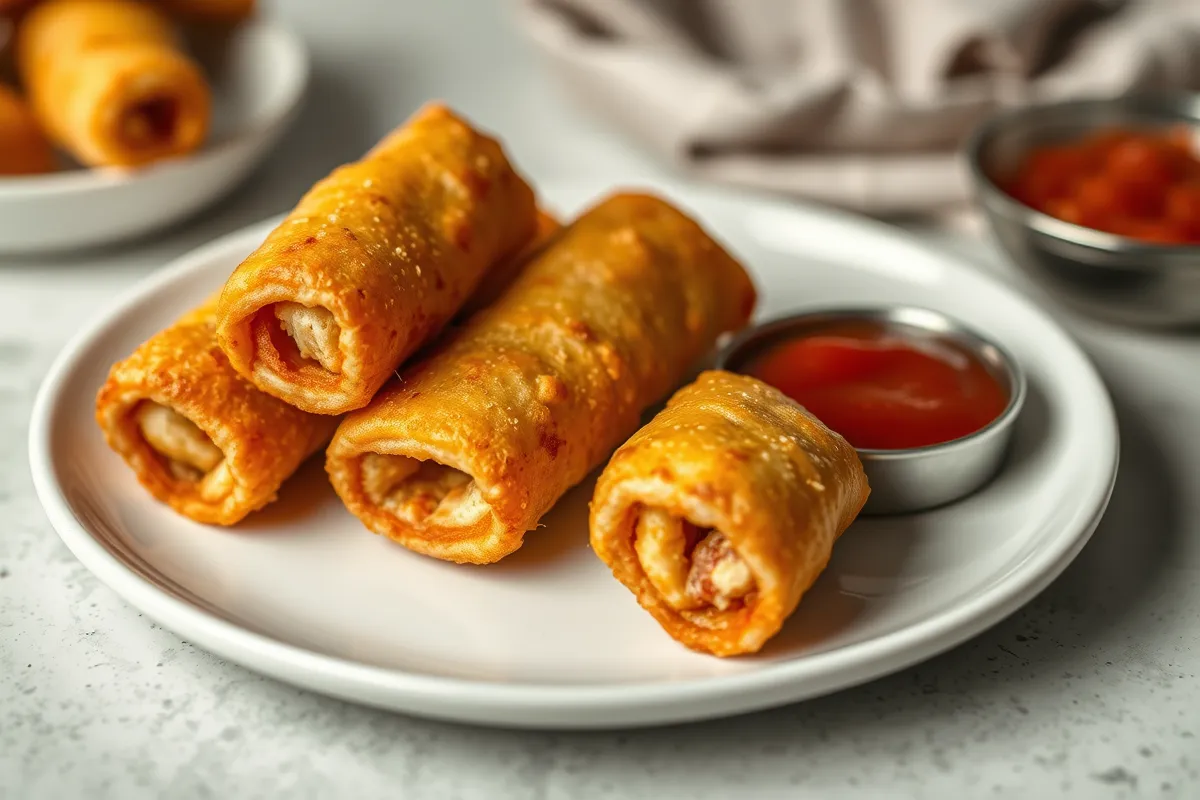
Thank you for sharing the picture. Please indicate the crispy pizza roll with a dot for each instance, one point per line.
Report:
(108, 82)
(375, 259)
(468, 449)
(721, 512)
(23, 148)
(199, 436)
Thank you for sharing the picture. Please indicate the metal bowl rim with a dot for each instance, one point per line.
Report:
(1001, 425)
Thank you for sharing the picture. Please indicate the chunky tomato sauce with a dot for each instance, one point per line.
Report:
(1141, 184)
(883, 391)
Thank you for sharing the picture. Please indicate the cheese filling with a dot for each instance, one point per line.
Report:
(315, 332)
(690, 567)
(422, 493)
(188, 452)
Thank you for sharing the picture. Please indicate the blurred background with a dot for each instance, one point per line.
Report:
(863, 104)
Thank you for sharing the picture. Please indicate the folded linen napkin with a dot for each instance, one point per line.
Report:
(859, 103)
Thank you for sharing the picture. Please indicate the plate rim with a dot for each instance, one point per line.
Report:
(552, 706)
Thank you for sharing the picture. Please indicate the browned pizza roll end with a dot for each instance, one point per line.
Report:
(722, 511)
(374, 260)
(200, 437)
(464, 453)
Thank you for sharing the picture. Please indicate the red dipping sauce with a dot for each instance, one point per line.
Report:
(882, 390)
(1136, 183)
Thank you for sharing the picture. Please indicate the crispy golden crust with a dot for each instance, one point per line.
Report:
(108, 83)
(534, 391)
(23, 147)
(261, 440)
(391, 246)
(768, 486)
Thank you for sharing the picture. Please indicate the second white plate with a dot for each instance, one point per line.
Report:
(547, 638)
(258, 77)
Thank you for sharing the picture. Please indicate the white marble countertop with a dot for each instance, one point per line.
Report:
(1092, 691)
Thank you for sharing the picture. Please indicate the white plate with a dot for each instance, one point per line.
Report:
(258, 79)
(304, 593)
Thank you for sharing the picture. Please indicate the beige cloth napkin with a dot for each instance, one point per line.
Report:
(860, 103)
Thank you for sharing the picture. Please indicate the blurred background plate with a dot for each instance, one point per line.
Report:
(258, 73)
(547, 638)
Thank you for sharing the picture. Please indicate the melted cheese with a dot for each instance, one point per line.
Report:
(314, 331)
(189, 453)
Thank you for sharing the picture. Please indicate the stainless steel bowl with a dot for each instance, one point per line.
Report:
(916, 478)
(1110, 276)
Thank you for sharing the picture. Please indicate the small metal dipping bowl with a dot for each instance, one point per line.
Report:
(1109, 276)
(917, 478)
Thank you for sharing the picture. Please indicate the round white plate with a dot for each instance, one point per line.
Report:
(258, 76)
(547, 638)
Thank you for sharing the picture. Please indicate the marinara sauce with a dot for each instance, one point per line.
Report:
(1144, 184)
(883, 390)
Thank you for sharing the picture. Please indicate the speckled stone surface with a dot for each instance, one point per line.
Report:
(1092, 691)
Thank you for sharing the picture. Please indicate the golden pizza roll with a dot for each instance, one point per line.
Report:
(23, 147)
(466, 451)
(200, 437)
(721, 512)
(374, 260)
(108, 82)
